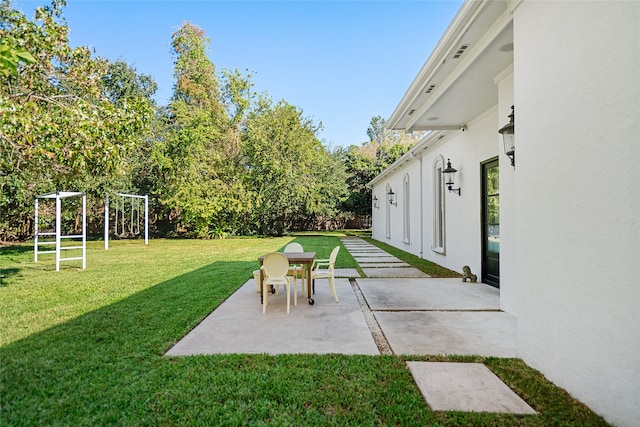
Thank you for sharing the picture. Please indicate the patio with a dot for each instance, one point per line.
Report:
(417, 316)
(381, 315)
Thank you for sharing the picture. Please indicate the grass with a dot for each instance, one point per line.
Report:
(85, 347)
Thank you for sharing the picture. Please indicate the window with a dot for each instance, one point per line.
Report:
(438, 206)
(406, 210)
(388, 213)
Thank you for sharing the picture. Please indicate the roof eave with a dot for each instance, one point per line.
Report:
(465, 16)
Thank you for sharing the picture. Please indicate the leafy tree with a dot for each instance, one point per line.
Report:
(376, 130)
(365, 162)
(122, 83)
(197, 155)
(58, 127)
(293, 177)
(10, 58)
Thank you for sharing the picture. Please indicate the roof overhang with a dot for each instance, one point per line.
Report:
(457, 82)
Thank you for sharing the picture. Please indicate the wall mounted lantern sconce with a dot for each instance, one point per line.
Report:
(390, 195)
(375, 202)
(450, 174)
(508, 132)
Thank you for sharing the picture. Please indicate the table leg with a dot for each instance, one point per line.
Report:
(261, 288)
(311, 301)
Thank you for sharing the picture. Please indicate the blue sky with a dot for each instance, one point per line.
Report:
(341, 62)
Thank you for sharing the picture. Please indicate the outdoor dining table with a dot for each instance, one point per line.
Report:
(305, 259)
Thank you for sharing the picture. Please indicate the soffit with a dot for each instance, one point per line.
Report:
(456, 84)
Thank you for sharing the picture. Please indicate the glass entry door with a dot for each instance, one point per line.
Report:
(491, 223)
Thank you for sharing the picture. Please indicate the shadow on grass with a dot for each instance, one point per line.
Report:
(8, 252)
(106, 367)
(45, 376)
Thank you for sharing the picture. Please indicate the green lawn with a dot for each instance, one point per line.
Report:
(86, 348)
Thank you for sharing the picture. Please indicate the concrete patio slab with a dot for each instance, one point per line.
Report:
(445, 333)
(394, 272)
(469, 387)
(428, 294)
(239, 326)
(346, 272)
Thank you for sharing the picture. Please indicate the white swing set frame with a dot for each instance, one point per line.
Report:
(57, 233)
(132, 198)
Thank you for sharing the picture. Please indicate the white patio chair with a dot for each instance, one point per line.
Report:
(276, 267)
(326, 273)
(296, 270)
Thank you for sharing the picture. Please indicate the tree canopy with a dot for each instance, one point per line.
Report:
(58, 127)
(219, 159)
(365, 162)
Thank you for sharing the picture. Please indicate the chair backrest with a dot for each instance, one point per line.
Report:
(293, 247)
(275, 264)
(333, 256)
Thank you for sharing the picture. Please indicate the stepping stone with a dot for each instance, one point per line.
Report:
(467, 387)
(370, 254)
(363, 248)
(377, 259)
(394, 272)
(383, 264)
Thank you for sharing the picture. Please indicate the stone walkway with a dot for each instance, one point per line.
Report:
(375, 262)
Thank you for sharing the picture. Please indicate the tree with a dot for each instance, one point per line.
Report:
(122, 83)
(376, 130)
(10, 58)
(365, 162)
(58, 128)
(292, 176)
(197, 154)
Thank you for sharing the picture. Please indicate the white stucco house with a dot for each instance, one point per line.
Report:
(559, 231)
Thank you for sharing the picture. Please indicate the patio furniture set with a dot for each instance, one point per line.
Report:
(282, 268)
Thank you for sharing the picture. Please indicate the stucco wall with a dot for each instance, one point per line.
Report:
(577, 98)
(395, 212)
(462, 213)
(508, 282)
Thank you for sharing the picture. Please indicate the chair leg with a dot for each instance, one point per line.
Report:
(332, 285)
(295, 292)
(265, 298)
(288, 288)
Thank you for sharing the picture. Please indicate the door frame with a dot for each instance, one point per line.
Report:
(493, 280)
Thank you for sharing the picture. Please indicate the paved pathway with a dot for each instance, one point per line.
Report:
(377, 263)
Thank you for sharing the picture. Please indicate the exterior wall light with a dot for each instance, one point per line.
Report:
(375, 202)
(450, 173)
(390, 195)
(508, 132)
